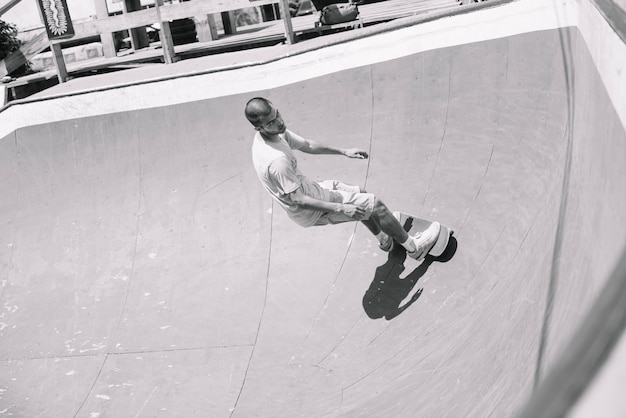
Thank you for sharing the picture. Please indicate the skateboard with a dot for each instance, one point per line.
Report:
(412, 225)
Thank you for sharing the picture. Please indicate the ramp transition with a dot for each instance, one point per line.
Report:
(145, 272)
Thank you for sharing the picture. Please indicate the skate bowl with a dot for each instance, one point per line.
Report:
(145, 272)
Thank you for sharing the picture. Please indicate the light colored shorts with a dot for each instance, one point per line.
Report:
(347, 194)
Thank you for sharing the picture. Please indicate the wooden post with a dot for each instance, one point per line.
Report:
(108, 44)
(167, 43)
(59, 62)
(138, 36)
(284, 11)
(206, 28)
(229, 22)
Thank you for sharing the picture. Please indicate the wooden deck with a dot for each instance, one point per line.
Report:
(394, 9)
(247, 37)
(371, 13)
(381, 11)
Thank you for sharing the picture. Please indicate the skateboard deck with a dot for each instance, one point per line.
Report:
(412, 225)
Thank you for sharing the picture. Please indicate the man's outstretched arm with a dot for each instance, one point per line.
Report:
(314, 147)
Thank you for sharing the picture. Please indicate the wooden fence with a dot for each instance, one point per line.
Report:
(104, 26)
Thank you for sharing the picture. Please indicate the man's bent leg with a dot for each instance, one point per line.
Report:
(384, 219)
(390, 225)
(372, 226)
(380, 221)
(417, 246)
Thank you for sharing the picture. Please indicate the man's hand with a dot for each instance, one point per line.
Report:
(356, 153)
(352, 211)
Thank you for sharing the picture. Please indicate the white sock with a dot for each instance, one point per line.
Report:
(409, 245)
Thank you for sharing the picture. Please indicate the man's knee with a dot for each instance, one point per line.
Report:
(379, 209)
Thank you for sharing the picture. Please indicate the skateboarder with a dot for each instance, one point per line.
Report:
(329, 202)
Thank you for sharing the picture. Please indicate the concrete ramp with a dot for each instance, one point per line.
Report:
(146, 273)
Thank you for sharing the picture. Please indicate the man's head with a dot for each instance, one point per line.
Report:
(265, 118)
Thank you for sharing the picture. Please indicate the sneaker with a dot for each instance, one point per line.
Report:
(386, 243)
(424, 241)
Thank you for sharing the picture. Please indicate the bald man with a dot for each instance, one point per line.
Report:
(310, 203)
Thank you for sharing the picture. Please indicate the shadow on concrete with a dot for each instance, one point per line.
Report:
(388, 293)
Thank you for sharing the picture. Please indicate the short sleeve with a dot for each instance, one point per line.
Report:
(283, 176)
(295, 141)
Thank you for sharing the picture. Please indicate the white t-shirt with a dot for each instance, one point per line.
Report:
(277, 168)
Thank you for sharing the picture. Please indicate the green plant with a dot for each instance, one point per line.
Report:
(8, 39)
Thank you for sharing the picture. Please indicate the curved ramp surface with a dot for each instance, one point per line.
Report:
(146, 273)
